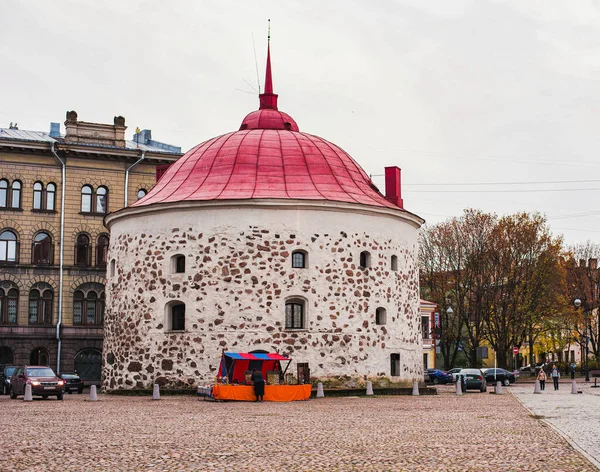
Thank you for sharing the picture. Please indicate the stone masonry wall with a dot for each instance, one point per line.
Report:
(237, 279)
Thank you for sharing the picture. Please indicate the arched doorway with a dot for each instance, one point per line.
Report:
(88, 364)
(39, 356)
(6, 356)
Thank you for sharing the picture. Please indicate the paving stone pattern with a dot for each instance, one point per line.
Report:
(396, 433)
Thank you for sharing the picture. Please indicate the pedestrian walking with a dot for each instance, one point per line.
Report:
(555, 374)
(542, 378)
(259, 384)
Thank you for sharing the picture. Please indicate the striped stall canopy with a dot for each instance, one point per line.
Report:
(247, 356)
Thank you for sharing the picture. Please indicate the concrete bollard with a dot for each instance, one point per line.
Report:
(369, 387)
(537, 388)
(573, 386)
(415, 388)
(320, 393)
(458, 387)
(156, 392)
(93, 394)
(499, 388)
(28, 397)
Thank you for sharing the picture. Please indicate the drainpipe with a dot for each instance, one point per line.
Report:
(61, 257)
(127, 175)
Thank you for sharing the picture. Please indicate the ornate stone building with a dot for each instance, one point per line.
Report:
(264, 239)
(52, 296)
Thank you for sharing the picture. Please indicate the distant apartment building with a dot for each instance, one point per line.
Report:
(55, 190)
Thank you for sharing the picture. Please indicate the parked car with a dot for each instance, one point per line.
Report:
(73, 383)
(472, 379)
(494, 375)
(5, 375)
(43, 381)
(438, 376)
(454, 373)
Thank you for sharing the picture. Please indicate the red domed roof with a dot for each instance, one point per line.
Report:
(266, 163)
(267, 158)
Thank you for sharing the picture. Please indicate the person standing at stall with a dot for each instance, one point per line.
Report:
(259, 384)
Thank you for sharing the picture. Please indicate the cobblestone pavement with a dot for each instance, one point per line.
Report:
(577, 417)
(472, 432)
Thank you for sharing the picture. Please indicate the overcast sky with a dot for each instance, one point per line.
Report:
(496, 95)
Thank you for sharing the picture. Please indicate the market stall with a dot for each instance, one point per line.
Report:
(235, 370)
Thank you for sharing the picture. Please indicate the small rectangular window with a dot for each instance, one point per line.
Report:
(394, 365)
(178, 318)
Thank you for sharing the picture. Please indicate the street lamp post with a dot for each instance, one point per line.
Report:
(577, 304)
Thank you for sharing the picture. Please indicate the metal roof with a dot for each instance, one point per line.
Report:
(44, 137)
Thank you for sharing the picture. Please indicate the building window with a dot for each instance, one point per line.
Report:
(88, 305)
(82, 250)
(394, 365)
(178, 264)
(141, 193)
(112, 268)
(3, 193)
(15, 201)
(86, 199)
(39, 356)
(7, 356)
(176, 316)
(43, 199)
(50, 197)
(365, 260)
(42, 250)
(294, 314)
(102, 250)
(8, 247)
(10, 195)
(102, 200)
(9, 303)
(394, 263)
(299, 260)
(380, 316)
(425, 328)
(41, 298)
(37, 195)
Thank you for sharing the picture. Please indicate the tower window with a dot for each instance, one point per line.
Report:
(175, 316)
(295, 314)
(365, 260)
(394, 365)
(380, 316)
(178, 264)
(299, 260)
(394, 263)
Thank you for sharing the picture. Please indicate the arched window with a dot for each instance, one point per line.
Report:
(9, 303)
(380, 316)
(394, 263)
(295, 314)
(175, 316)
(299, 260)
(178, 264)
(86, 199)
(39, 356)
(102, 200)
(102, 250)
(113, 268)
(15, 201)
(8, 247)
(38, 189)
(50, 197)
(43, 249)
(365, 260)
(7, 356)
(3, 193)
(83, 251)
(88, 305)
(41, 298)
(141, 193)
(88, 364)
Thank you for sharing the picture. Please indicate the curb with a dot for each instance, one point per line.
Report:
(563, 435)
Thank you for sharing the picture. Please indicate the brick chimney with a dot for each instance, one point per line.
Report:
(393, 192)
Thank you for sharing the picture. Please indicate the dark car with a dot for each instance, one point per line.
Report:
(44, 382)
(73, 383)
(472, 379)
(5, 376)
(438, 376)
(494, 375)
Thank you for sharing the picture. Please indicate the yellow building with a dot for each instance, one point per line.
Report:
(55, 190)
(429, 322)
